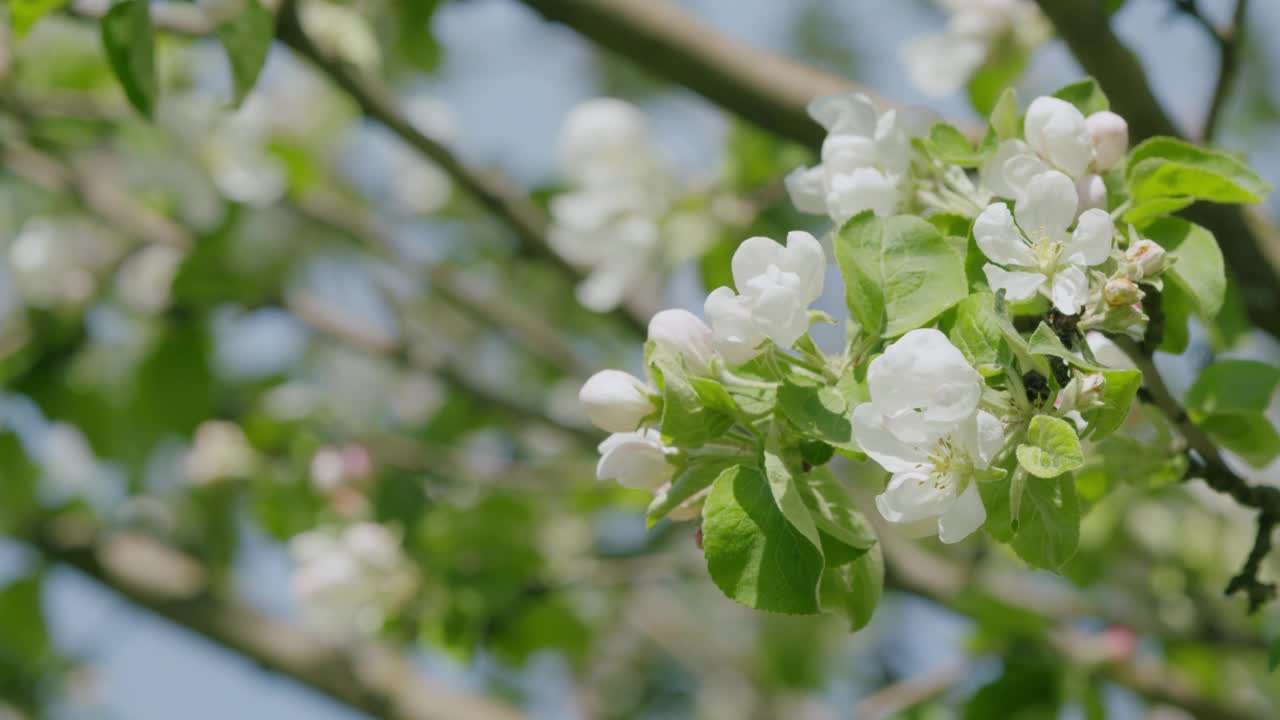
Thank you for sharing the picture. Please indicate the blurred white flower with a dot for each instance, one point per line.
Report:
(56, 260)
(776, 285)
(941, 63)
(865, 158)
(342, 31)
(144, 280)
(348, 582)
(219, 451)
(617, 218)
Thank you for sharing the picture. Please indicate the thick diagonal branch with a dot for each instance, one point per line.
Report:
(153, 576)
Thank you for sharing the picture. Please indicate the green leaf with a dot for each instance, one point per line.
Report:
(1148, 210)
(1005, 61)
(1176, 306)
(1048, 522)
(692, 480)
(754, 555)
(949, 145)
(24, 645)
(1044, 341)
(687, 420)
(820, 411)
(24, 14)
(853, 590)
(1232, 387)
(246, 38)
(899, 272)
(1005, 120)
(1165, 167)
(995, 491)
(1199, 268)
(1052, 448)
(130, 45)
(415, 41)
(783, 483)
(1117, 399)
(832, 509)
(976, 333)
(1252, 437)
(1273, 654)
(1086, 95)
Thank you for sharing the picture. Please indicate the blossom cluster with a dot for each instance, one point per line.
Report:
(620, 216)
(940, 63)
(349, 581)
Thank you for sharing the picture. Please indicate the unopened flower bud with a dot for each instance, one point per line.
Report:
(635, 459)
(1092, 192)
(1109, 134)
(1147, 259)
(615, 401)
(1120, 292)
(681, 332)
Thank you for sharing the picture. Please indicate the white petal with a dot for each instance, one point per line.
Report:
(995, 172)
(1056, 130)
(1048, 207)
(615, 401)
(1070, 290)
(845, 153)
(753, 257)
(606, 286)
(736, 336)
(999, 239)
(1110, 136)
(990, 438)
(1091, 191)
(1016, 285)
(914, 495)
(778, 306)
(852, 113)
(907, 378)
(863, 189)
(808, 190)
(1090, 244)
(804, 257)
(964, 516)
(1107, 352)
(684, 333)
(634, 459)
(880, 444)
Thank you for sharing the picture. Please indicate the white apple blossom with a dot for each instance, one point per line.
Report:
(349, 581)
(939, 64)
(923, 425)
(616, 401)
(685, 335)
(1058, 137)
(635, 459)
(1146, 260)
(617, 219)
(865, 158)
(776, 285)
(220, 451)
(1044, 257)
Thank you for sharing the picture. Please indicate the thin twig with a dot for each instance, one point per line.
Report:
(1229, 41)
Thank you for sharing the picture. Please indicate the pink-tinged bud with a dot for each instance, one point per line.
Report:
(615, 401)
(683, 333)
(1109, 134)
(1120, 292)
(1147, 258)
(357, 463)
(1092, 192)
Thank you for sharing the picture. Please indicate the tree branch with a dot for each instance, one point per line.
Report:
(153, 576)
(1208, 464)
(1228, 41)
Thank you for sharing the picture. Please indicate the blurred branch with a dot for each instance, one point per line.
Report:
(153, 576)
(892, 701)
(769, 90)
(1207, 463)
(911, 569)
(1250, 245)
(492, 191)
(1228, 41)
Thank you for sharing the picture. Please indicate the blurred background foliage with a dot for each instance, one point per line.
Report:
(252, 334)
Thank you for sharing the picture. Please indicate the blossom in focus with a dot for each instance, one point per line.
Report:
(349, 581)
(685, 335)
(941, 63)
(1058, 137)
(865, 158)
(1044, 257)
(616, 401)
(219, 451)
(617, 218)
(776, 285)
(635, 459)
(923, 425)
